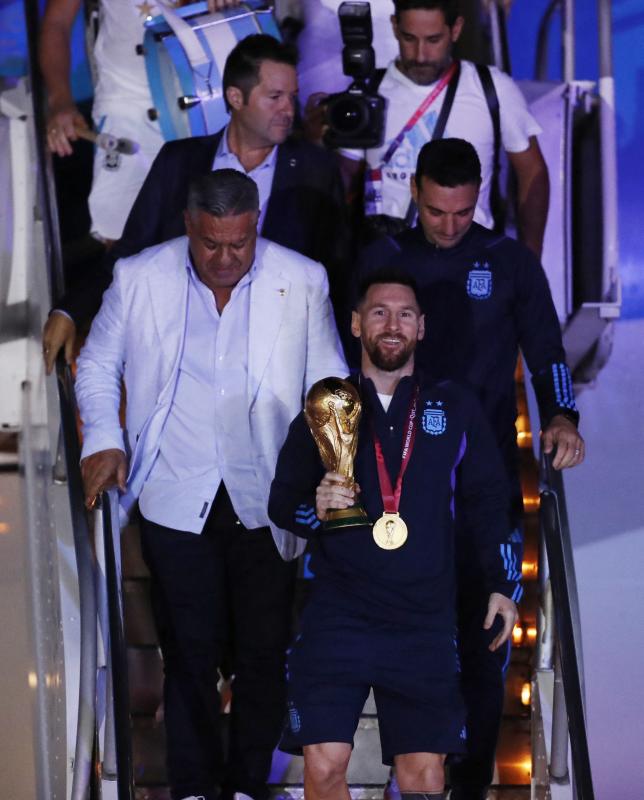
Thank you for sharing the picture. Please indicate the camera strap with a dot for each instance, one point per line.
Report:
(497, 201)
(373, 179)
(439, 129)
(451, 78)
(441, 122)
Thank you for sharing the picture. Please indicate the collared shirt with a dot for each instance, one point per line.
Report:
(262, 174)
(207, 437)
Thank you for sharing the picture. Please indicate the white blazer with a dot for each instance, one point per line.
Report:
(138, 337)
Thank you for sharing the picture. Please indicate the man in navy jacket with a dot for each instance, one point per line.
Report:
(382, 609)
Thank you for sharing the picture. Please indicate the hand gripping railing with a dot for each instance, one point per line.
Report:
(561, 614)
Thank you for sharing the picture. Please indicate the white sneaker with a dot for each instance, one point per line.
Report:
(194, 797)
(241, 796)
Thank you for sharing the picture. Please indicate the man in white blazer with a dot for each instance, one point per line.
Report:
(217, 337)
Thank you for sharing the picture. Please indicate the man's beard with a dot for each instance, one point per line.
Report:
(424, 74)
(389, 361)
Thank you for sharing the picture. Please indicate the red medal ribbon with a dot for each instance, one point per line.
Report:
(447, 77)
(391, 496)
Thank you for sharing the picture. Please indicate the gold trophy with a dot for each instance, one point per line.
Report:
(332, 411)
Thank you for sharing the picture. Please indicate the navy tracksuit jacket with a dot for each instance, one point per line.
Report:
(454, 450)
(484, 299)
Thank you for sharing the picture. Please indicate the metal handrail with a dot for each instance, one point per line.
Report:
(84, 778)
(85, 567)
(117, 651)
(608, 150)
(499, 37)
(47, 192)
(610, 302)
(556, 534)
(543, 34)
(568, 40)
(567, 10)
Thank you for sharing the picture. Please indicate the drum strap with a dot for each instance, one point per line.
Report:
(195, 52)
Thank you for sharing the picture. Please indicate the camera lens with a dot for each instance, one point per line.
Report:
(348, 115)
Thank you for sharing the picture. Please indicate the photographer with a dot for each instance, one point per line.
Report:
(417, 86)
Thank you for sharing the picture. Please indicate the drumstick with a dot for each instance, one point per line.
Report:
(109, 142)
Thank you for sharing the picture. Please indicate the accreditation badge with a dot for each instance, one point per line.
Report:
(390, 531)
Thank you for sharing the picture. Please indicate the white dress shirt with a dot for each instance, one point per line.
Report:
(262, 174)
(206, 437)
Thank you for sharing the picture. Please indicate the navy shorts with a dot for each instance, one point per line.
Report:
(414, 674)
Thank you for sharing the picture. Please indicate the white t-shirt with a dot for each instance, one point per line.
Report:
(469, 119)
(122, 78)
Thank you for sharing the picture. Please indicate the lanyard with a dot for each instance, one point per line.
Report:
(420, 111)
(391, 496)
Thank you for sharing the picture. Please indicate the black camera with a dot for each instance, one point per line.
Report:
(356, 117)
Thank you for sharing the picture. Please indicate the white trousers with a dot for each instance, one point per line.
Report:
(118, 177)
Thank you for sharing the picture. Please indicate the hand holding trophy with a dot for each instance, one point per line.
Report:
(332, 411)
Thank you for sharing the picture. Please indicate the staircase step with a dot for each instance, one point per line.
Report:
(365, 767)
(152, 793)
(145, 678)
(356, 792)
(132, 564)
(139, 623)
(519, 672)
(148, 752)
(513, 754)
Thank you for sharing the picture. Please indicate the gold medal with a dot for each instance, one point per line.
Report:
(390, 531)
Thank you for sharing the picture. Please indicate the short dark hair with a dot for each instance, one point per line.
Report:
(223, 193)
(448, 162)
(245, 60)
(382, 275)
(448, 7)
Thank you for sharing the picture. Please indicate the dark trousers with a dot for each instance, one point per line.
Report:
(482, 672)
(223, 593)
(482, 684)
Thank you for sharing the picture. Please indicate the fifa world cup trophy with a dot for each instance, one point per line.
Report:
(332, 411)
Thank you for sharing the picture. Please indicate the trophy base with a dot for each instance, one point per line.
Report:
(346, 518)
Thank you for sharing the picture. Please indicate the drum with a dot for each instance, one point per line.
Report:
(185, 50)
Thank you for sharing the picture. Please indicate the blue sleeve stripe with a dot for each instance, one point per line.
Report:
(562, 383)
(571, 391)
(555, 378)
(510, 563)
(305, 515)
(517, 594)
(504, 557)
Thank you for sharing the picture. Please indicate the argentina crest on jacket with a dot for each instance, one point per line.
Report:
(479, 281)
(434, 420)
